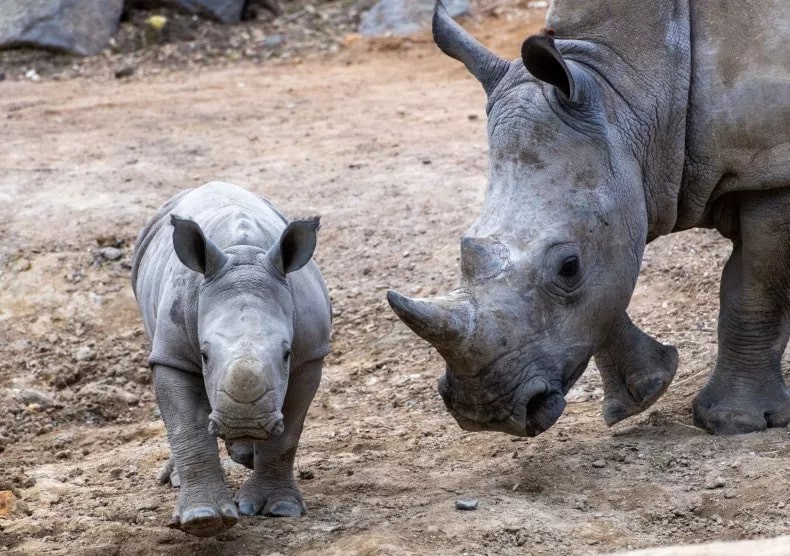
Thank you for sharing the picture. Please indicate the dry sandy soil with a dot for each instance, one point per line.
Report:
(388, 145)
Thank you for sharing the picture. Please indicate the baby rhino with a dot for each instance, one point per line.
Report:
(239, 320)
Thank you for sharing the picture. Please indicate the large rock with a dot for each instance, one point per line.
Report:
(81, 27)
(403, 17)
(226, 11)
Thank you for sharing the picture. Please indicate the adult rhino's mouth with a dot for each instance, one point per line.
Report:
(539, 405)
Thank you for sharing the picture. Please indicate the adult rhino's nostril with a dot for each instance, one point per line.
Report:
(544, 409)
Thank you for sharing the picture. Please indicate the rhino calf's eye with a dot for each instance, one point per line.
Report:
(204, 357)
(287, 356)
(570, 267)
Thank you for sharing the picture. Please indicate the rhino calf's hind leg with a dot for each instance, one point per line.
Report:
(746, 391)
(636, 370)
(272, 489)
(205, 507)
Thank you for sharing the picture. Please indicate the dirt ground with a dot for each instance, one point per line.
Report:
(387, 142)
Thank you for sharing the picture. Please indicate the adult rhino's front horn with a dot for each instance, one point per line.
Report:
(454, 41)
(444, 321)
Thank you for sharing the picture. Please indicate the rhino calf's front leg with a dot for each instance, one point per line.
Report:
(272, 489)
(205, 507)
(636, 370)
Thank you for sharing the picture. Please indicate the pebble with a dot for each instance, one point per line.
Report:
(21, 265)
(7, 503)
(599, 463)
(273, 41)
(84, 353)
(110, 253)
(714, 482)
(29, 396)
(467, 504)
(126, 71)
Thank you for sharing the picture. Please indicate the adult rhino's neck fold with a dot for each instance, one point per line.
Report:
(642, 53)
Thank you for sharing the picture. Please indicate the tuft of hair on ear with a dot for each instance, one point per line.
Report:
(314, 220)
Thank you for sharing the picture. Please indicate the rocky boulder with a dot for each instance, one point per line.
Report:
(81, 27)
(403, 17)
(225, 11)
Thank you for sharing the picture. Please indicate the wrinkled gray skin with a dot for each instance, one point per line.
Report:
(623, 122)
(239, 320)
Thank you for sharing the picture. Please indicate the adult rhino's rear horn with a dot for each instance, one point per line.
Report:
(454, 41)
(444, 321)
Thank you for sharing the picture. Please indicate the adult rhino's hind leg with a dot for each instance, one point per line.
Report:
(205, 507)
(272, 489)
(636, 370)
(747, 392)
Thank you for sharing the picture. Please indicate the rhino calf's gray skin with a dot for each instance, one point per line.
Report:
(239, 320)
(622, 122)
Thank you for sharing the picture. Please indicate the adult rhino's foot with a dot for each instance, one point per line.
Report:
(636, 370)
(205, 518)
(258, 497)
(719, 412)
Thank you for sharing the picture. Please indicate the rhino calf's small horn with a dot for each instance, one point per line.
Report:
(444, 321)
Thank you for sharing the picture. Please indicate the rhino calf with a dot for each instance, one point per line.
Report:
(239, 321)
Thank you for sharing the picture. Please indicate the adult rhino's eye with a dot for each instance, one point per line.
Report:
(204, 357)
(570, 268)
(287, 356)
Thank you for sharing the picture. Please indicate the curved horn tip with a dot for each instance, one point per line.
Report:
(396, 300)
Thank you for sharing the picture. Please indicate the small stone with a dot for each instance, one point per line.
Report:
(126, 71)
(110, 253)
(84, 353)
(466, 504)
(432, 529)
(780, 505)
(148, 504)
(7, 503)
(273, 41)
(599, 463)
(713, 482)
(21, 265)
(29, 396)
(32, 75)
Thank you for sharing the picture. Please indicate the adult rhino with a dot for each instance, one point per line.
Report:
(622, 122)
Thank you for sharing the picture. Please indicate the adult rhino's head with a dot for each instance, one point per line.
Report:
(552, 261)
(245, 324)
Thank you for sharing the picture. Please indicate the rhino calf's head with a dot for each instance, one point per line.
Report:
(552, 261)
(245, 324)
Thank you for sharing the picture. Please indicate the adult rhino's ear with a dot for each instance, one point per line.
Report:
(195, 250)
(296, 246)
(545, 62)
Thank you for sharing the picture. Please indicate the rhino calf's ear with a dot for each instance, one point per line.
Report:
(296, 246)
(194, 249)
(545, 62)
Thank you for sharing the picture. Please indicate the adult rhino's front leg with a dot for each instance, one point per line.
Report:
(272, 489)
(636, 370)
(205, 507)
(746, 391)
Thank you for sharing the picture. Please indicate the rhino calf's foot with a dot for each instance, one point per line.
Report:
(270, 500)
(636, 370)
(204, 514)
